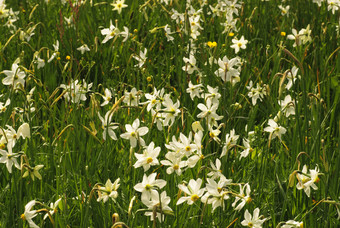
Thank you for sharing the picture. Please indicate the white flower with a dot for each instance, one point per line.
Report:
(148, 158)
(107, 97)
(141, 58)
(54, 207)
(10, 136)
(227, 71)
(168, 32)
(56, 51)
(216, 171)
(119, 5)
(125, 34)
(15, 76)
(274, 129)
(174, 162)
(292, 224)
(292, 76)
(195, 22)
(193, 190)
(333, 5)
(40, 62)
(284, 10)
(190, 64)
(287, 106)
(134, 133)
(9, 158)
(109, 33)
(230, 142)
(237, 44)
(29, 214)
(253, 221)
(3, 107)
(158, 203)
(194, 90)
(108, 191)
(149, 185)
(108, 126)
(3, 11)
(256, 93)
(305, 180)
(243, 197)
(171, 110)
(216, 193)
(212, 95)
(154, 100)
(247, 149)
(83, 48)
(131, 98)
(209, 110)
(76, 91)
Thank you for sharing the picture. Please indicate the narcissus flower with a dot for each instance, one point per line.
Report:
(83, 48)
(15, 76)
(9, 158)
(110, 32)
(134, 133)
(148, 186)
(253, 221)
(193, 190)
(292, 224)
(237, 44)
(119, 5)
(275, 129)
(108, 191)
(148, 158)
(307, 180)
(29, 214)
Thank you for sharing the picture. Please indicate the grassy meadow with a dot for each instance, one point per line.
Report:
(170, 113)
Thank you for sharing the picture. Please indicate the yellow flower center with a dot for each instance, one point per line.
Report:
(250, 224)
(149, 160)
(148, 187)
(154, 101)
(119, 5)
(23, 217)
(239, 44)
(194, 197)
(219, 189)
(176, 167)
(133, 134)
(187, 148)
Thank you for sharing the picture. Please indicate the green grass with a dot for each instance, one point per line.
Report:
(66, 137)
